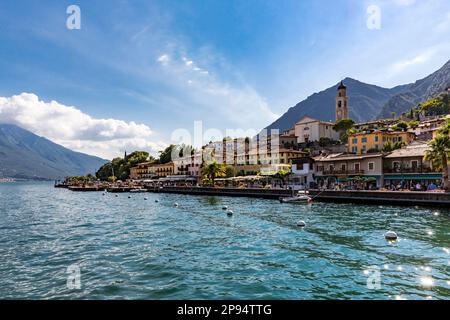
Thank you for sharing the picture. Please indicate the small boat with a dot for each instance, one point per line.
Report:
(301, 198)
(138, 190)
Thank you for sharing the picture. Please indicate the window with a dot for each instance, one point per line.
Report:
(376, 138)
(363, 149)
(355, 140)
(354, 149)
(357, 167)
(306, 129)
(371, 166)
(364, 140)
(343, 167)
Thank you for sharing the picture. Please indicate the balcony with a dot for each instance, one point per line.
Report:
(343, 172)
(411, 170)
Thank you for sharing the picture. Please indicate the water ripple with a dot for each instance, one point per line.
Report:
(137, 249)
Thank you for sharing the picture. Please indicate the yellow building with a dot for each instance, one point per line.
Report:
(363, 142)
(162, 170)
(140, 171)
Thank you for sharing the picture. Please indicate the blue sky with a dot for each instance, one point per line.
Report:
(137, 70)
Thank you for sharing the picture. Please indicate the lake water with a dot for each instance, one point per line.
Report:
(137, 249)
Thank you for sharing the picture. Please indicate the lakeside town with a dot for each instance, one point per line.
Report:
(408, 152)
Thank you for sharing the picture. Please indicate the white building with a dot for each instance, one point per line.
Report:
(309, 129)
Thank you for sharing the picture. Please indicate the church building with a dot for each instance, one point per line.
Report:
(342, 103)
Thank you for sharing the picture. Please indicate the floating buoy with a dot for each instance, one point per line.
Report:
(230, 213)
(129, 197)
(391, 235)
(156, 200)
(301, 223)
(117, 195)
(175, 204)
(225, 208)
(145, 199)
(104, 194)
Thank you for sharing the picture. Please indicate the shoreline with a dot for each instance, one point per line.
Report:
(401, 198)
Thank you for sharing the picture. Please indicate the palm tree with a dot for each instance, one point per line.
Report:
(439, 155)
(213, 171)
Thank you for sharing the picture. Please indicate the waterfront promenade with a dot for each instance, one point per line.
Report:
(361, 196)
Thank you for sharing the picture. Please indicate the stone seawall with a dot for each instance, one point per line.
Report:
(229, 192)
(384, 197)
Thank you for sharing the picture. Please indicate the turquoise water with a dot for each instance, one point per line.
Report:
(137, 249)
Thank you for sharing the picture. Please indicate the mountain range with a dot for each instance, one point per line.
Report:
(367, 101)
(24, 155)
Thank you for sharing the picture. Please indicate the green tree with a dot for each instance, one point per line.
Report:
(445, 130)
(393, 114)
(165, 156)
(230, 171)
(213, 171)
(438, 105)
(120, 168)
(282, 175)
(401, 126)
(343, 127)
(439, 155)
(389, 146)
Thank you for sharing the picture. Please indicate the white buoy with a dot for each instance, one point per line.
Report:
(175, 204)
(230, 213)
(391, 235)
(301, 223)
(225, 208)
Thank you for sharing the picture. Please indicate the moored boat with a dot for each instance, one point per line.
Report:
(300, 198)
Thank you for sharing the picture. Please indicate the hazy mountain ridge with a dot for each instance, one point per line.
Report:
(366, 101)
(27, 156)
(418, 92)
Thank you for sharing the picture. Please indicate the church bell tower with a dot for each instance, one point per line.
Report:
(341, 103)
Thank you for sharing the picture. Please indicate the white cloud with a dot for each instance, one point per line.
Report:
(164, 59)
(423, 57)
(70, 127)
(236, 104)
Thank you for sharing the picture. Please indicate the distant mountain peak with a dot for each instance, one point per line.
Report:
(28, 156)
(366, 101)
